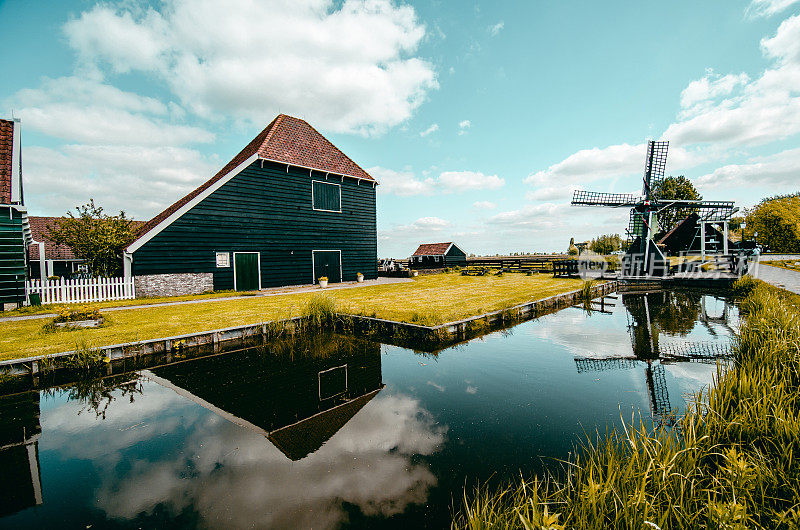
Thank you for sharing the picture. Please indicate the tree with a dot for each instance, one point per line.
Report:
(675, 188)
(606, 244)
(95, 237)
(777, 221)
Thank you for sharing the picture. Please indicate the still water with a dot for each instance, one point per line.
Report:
(331, 431)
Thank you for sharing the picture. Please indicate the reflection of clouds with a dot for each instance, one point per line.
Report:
(440, 388)
(582, 335)
(471, 389)
(691, 377)
(68, 425)
(236, 478)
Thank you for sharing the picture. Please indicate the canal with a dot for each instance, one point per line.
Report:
(331, 431)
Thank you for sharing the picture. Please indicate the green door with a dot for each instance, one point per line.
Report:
(327, 263)
(245, 266)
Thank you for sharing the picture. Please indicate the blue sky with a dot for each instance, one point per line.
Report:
(479, 119)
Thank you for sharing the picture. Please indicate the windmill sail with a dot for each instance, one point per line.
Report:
(654, 166)
(597, 198)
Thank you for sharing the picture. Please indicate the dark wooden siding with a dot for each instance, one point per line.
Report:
(456, 257)
(268, 210)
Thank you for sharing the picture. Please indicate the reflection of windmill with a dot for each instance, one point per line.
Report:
(644, 257)
(644, 332)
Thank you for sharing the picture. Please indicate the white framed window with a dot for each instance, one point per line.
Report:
(326, 196)
(223, 259)
(436, 259)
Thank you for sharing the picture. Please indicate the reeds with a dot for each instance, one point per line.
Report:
(731, 462)
(319, 310)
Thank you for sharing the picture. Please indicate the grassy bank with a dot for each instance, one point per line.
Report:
(732, 464)
(427, 300)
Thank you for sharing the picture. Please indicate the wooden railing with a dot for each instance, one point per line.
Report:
(81, 291)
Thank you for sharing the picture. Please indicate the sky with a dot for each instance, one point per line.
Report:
(479, 119)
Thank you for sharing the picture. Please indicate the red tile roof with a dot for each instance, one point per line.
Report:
(6, 149)
(432, 249)
(40, 233)
(287, 140)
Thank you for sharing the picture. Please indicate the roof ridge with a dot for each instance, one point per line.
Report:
(332, 145)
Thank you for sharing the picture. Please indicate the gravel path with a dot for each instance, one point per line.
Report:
(783, 278)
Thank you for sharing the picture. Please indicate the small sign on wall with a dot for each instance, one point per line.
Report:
(223, 259)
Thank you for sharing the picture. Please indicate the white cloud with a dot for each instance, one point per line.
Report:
(406, 184)
(494, 29)
(432, 129)
(348, 68)
(92, 112)
(709, 87)
(767, 8)
(778, 170)
(758, 112)
(720, 115)
(539, 216)
(427, 224)
(138, 179)
(484, 205)
(401, 183)
(463, 126)
(458, 181)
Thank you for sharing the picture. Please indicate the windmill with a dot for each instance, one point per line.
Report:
(643, 256)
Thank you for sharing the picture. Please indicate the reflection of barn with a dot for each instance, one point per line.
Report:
(655, 316)
(20, 482)
(298, 396)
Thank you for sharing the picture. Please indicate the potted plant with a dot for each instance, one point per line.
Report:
(360, 278)
(323, 281)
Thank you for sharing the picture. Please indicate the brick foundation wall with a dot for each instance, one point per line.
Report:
(173, 284)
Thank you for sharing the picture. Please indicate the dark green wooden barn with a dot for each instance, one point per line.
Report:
(287, 210)
(437, 256)
(15, 233)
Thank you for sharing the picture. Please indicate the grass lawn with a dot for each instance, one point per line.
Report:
(428, 300)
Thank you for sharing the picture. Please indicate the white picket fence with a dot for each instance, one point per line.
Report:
(82, 291)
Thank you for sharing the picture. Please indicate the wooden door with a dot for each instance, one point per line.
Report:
(327, 263)
(245, 270)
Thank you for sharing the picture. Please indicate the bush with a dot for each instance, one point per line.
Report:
(77, 313)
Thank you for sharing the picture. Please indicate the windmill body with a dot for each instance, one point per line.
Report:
(643, 257)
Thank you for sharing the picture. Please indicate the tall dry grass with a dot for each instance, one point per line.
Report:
(732, 463)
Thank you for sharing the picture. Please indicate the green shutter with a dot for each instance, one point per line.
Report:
(326, 196)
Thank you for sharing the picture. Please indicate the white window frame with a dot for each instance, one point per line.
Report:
(436, 259)
(227, 255)
(259, 268)
(346, 381)
(313, 207)
(341, 270)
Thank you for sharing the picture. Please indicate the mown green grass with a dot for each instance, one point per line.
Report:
(434, 299)
(733, 463)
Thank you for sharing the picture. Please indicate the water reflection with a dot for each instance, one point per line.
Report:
(655, 321)
(20, 481)
(329, 431)
(321, 440)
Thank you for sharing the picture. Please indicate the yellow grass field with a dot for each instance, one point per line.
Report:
(429, 300)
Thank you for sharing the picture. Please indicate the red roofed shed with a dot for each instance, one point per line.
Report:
(437, 256)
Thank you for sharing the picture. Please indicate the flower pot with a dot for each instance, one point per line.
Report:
(323, 283)
(360, 278)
